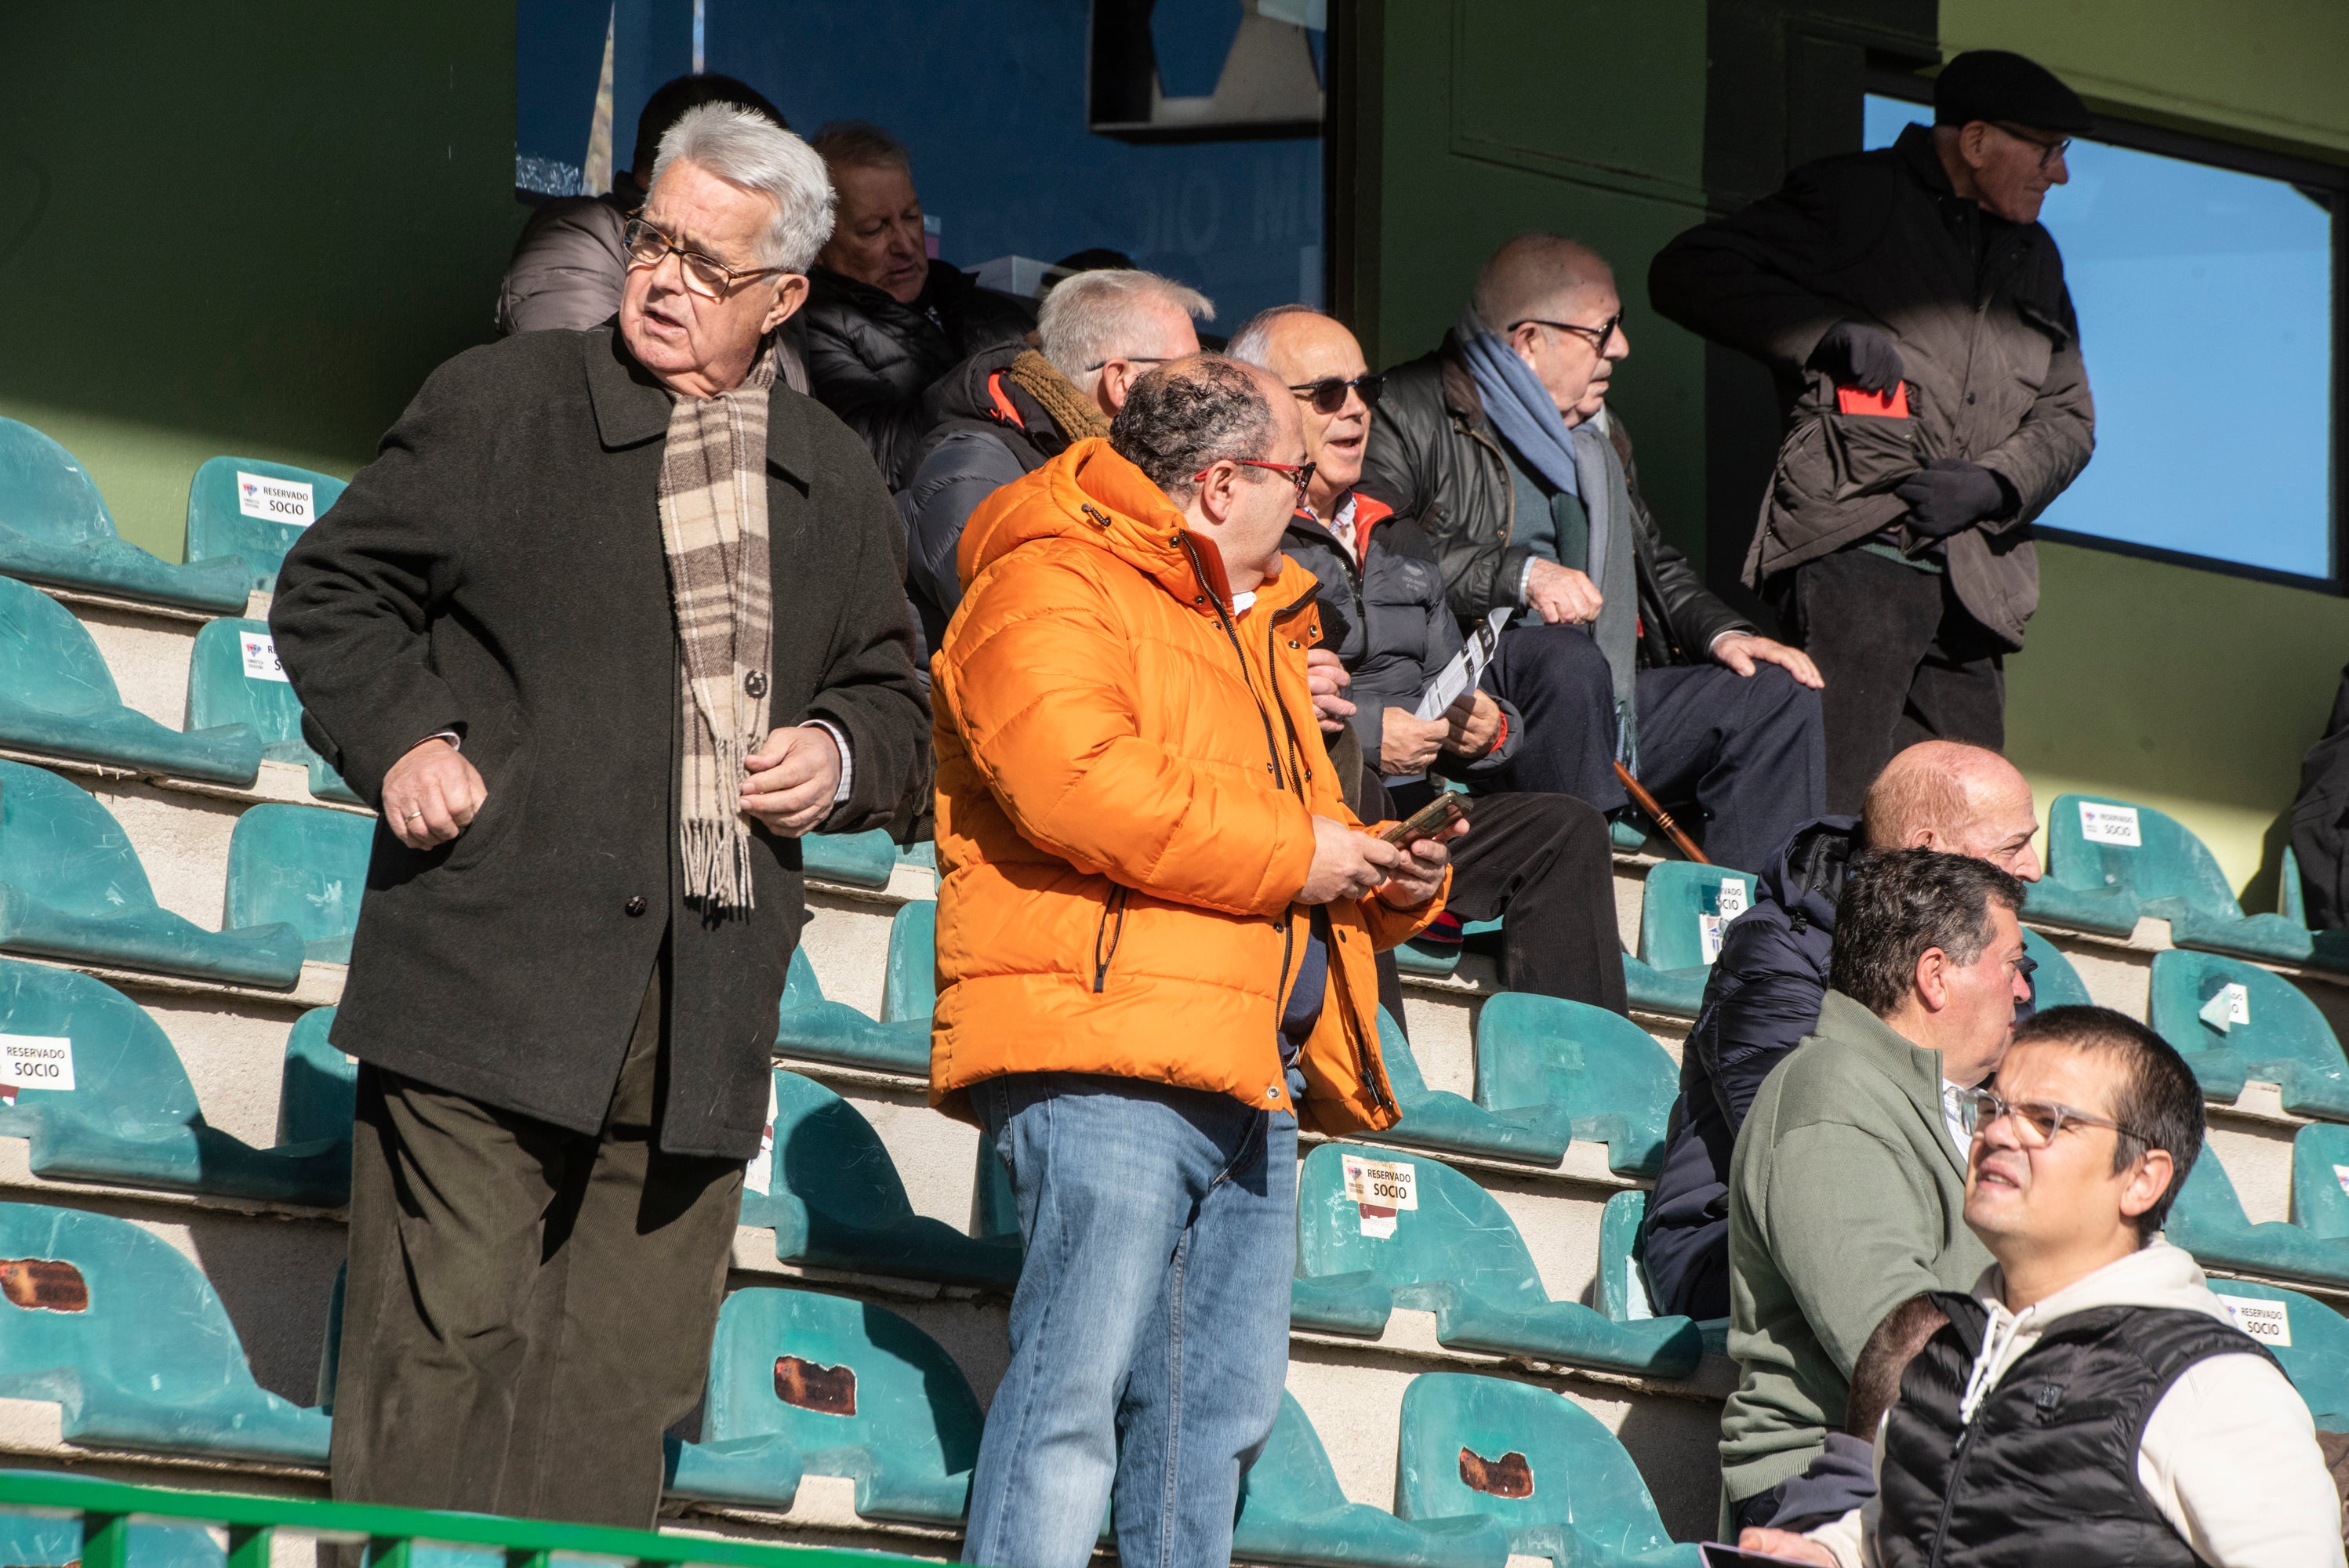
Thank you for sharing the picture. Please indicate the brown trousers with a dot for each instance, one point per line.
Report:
(527, 1308)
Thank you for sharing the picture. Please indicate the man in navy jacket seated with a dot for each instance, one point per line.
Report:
(1763, 993)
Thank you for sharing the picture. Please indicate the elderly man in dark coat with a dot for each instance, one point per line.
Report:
(610, 623)
(1928, 361)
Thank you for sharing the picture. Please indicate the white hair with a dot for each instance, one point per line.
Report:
(1252, 344)
(1092, 316)
(744, 148)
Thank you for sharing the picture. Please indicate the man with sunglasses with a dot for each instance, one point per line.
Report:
(1540, 863)
(1848, 1184)
(1500, 446)
(2091, 1398)
(1914, 317)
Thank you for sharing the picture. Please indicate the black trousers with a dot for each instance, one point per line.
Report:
(528, 1308)
(1546, 863)
(1904, 662)
(1748, 751)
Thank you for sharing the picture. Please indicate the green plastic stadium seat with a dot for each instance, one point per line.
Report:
(1604, 1073)
(71, 887)
(859, 860)
(1427, 960)
(825, 1386)
(58, 698)
(2314, 1245)
(1680, 917)
(38, 1540)
(114, 1325)
(1622, 1270)
(2328, 950)
(1541, 1464)
(128, 1114)
(306, 866)
(255, 510)
(226, 688)
(2309, 1338)
(1437, 1118)
(2233, 1021)
(1628, 838)
(2141, 861)
(1293, 1510)
(54, 528)
(2055, 983)
(833, 1199)
(1455, 1253)
(808, 1025)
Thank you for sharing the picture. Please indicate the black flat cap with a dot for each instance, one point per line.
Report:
(1994, 85)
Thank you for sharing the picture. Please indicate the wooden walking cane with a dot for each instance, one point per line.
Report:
(1663, 818)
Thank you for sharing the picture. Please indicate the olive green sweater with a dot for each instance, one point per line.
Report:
(1846, 1197)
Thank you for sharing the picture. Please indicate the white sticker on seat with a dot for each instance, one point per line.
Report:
(1708, 937)
(1732, 898)
(1378, 1188)
(35, 1061)
(2113, 825)
(2265, 1321)
(291, 502)
(2229, 1005)
(2341, 1174)
(261, 657)
(759, 1175)
(1635, 1306)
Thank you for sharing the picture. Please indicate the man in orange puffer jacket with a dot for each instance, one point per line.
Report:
(1157, 922)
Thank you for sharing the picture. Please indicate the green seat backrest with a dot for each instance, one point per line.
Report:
(54, 528)
(1606, 1073)
(2309, 1338)
(1456, 1235)
(320, 1084)
(828, 1156)
(48, 660)
(2207, 1204)
(223, 689)
(134, 1327)
(2320, 1179)
(305, 865)
(243, 506)
(2055, 983)
(2203, 1002)
(913, 1412)
(1683, 909)
(2088, 850)
(860, 860)
(1622, 1288)
(45, 494)
(60, 848)
(1402, 1066)
(910, 987)
(1293, 1478)
(1459, 1430)
(126, 1076)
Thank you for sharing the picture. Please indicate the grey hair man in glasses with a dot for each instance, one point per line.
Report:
(1914, 317)
(1847, 1190)
(2091, 1398)
(1501, 448)
(612, 621)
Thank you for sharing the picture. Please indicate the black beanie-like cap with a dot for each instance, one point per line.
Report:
(1994, 85)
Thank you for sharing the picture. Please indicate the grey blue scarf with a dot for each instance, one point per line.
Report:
(1577, 461)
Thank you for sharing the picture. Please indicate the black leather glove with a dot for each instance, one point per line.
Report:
(1948, 494)
(1855, 354)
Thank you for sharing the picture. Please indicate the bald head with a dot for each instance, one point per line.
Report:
(1539, 275)
(1957, 798)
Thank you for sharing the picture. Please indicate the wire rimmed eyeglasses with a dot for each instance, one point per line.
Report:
(704, 275)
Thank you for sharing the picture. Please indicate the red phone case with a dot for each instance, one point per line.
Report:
(1892, 405)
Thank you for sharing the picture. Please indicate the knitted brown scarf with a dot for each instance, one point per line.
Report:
(1077, 415)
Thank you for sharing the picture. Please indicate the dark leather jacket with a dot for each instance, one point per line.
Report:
(1436, 459)
(870, 358)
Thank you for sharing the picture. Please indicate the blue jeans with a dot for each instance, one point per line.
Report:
(1150, 1331)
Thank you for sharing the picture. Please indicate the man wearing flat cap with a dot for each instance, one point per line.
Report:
(612, 619)
(1914, 315)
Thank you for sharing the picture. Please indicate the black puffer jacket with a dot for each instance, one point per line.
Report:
(1985, 329)
(984, 431)
(870, 358)
(1386, 620)
(1434, 458)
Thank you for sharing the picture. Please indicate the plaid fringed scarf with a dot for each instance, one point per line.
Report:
(713, 512)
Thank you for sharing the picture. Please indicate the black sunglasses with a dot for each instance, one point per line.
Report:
(1328, 394)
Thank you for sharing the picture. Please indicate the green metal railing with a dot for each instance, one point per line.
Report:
(107, 1509)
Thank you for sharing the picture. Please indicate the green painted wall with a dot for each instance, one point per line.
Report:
(1501, 116)
(2188, 690)
(249, 229)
